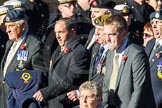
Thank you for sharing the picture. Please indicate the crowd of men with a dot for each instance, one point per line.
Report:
(45, 59)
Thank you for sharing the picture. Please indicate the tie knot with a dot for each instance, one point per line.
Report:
(102, 49)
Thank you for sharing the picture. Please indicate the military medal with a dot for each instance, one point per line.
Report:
(159, 69)
(99, 66)
(22, 55)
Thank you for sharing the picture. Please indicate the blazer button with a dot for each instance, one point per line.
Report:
(153, 60)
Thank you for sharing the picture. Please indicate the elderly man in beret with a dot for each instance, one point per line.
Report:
(23, 51)
(154, 51)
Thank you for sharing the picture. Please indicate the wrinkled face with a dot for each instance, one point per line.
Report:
(96, 12)
(62, 34)
(156, 26)
(147, 35)
(14, 30)
(67, 9)
(114, 38)
(88, 99)
(101, 38)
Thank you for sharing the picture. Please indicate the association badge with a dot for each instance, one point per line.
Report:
(26, 77)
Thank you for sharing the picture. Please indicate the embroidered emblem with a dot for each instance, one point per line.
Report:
(157, 15)
(7, 19)
(26, 77)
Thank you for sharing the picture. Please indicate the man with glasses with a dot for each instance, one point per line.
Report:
(154, 51)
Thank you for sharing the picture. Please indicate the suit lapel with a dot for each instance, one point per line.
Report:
(122, 65)
(155, 58)
(150, 47)
(94, 55)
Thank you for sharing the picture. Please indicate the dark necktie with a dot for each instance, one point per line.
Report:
(99, 55)
(97, 60)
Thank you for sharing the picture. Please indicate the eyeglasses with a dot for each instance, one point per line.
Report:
(90, 98)
(147, 35)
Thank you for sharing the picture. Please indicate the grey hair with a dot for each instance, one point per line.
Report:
(93, 86)
(20, 22)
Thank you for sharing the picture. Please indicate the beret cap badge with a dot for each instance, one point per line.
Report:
(157, 15)
(7, 19)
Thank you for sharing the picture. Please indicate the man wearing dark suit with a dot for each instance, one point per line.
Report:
(23, 50)
(69, 67)
(127, 82)
(154, 51)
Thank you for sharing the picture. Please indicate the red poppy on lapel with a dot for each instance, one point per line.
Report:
(158, 55)
(66, 50)
(23, 46)
(124, 57)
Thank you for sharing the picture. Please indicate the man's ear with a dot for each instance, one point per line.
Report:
(59, 8)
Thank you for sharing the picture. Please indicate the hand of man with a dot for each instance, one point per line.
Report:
(38, 96)
(72, 95)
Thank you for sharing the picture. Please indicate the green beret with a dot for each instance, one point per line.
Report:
(66, 1)
(99, 21)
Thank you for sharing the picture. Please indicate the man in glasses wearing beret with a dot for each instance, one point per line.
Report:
(154, 51)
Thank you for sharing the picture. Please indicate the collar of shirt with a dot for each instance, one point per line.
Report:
(121, 50)
(159, 41)
(18, 43)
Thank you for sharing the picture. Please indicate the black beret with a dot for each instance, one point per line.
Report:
(14, 15)
(156, 15)
(108, 4)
